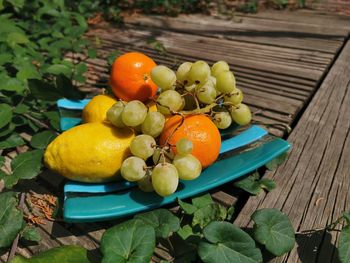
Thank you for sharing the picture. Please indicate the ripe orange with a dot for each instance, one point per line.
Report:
(203, 133)
(130, 77)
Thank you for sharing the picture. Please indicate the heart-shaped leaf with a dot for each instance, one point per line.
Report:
(5, 114)
(273, 229)
(131, 241)
(66, 254)
(162, 220)
(344, 245)
(186, 207)
(11, 219)
(227, 243)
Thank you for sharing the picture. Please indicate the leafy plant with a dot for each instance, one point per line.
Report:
(254, 185)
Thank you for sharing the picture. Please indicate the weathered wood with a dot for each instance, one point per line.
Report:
(313, 183)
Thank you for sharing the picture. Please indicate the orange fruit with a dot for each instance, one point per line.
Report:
(199, 129)
(130, 77)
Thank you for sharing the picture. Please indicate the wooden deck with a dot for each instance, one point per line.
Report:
(294, 70)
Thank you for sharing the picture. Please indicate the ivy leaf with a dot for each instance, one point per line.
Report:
(185, 232)
(267, 184)
(227, 243)
(42, 139)
(344, 245)
(131, 241)
(31, 234)
(212, 212)
(272, 165)
(25, 166)
(5, 114)
(186, 207)
(202, 201)
(273, 229)
(250, 184)
(66, 254)
(11, 219)
(12, 141)
(162, 220)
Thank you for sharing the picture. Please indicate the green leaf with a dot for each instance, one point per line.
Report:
(226, 244)
(58, 69)
(25, 166)
(31, 234)
(202, 201)
(185, 232)
(92, 53)
(272, 165)
(16, 38)
(16, 3)
(11, 219)
(162, 220)
(5, 114)
(344, 245)
(131, 241)
(4, 131)
(28, 71)
(186, 207)
(346, 216)
(273, 229)
(267, 184)
(13, 84)
(54, 119)
(21, 108)
(42, 139)
(112, 56)
(230, 213)
(212, 212)
(2, 160)
(43, 91)
(63, 254)
(250, 184)
(12, 141)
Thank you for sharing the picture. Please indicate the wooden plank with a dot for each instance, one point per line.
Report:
(253, 33)
(313, 183)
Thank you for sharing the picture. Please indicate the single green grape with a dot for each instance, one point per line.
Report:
(199, 72)
(165, 179)
(169, 99)
(145, 184)
(219, 67)
(241, 114)
(182, 72)
(143, 146)
(134, 113)
(206, 93)
(222, 120)
(153, 124)
(226, 82)
(163, 77)
(184, 146)
(114, 114)
(188, 166)
(133, 169)
(235, 97)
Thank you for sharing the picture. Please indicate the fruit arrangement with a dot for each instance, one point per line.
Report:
(170, 122)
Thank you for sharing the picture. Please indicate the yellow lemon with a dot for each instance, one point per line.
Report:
(96, 109)
(91, 152)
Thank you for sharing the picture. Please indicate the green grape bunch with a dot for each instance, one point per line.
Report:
(194, 88)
